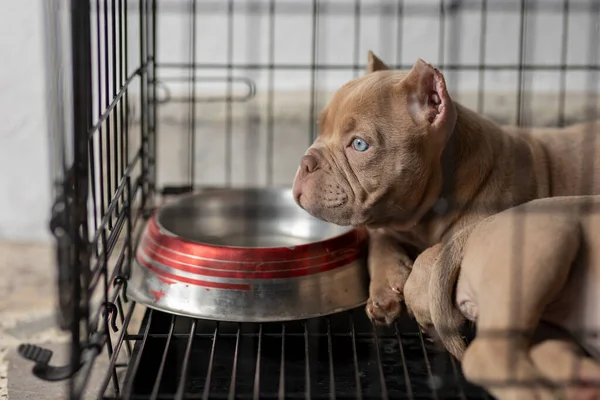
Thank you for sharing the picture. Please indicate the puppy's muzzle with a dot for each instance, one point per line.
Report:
(308, 165)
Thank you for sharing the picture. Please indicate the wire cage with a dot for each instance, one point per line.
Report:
(153, 98)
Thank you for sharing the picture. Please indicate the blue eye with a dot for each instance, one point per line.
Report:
(360, 145)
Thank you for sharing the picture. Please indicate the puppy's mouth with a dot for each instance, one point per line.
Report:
(297, 196)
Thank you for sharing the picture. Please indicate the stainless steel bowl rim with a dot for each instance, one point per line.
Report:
(349, 230)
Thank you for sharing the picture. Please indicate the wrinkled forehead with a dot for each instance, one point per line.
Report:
(359, 100)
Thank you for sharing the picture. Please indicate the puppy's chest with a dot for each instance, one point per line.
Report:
(431, 230)
(411, 238)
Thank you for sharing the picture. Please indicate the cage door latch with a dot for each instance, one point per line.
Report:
(41, 357)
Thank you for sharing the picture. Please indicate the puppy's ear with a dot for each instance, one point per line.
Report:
(375, 64)
(428, 100)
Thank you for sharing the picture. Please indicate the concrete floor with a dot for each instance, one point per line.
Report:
(27, 309)
(27, 315)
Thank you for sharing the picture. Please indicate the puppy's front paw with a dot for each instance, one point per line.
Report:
(384, 304)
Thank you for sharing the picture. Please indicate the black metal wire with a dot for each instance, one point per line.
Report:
(223, 370)
(399, 31)
(98, 138)
(107, 311)
(112, 363)
(122, 73)
(151, 77)
(356, 41)
(107, 97)
(163, 361)
(99, 87)
(313, 73)
(521, 62)
(361, 336)
(185, 363)
(563, 61)
(192, 101)
(175, 342)
(102, 137)
(271, 94)
(138, 351)
(109, 242)
(360, 66)
(124, 322)
(441, 32)
(516, 290)
(229, 94)
(409, 391)
(257, 370)
(588, 161)
(330, 357)
(457, 378)
(205, 99)
(281, 392)
(122, 95)
(125, 102)
(307, 390)
(482, 55)
(215, 7)
(383, 391)
(234, 368)
(433, 379)
(78, 230)
(355, 359)
(207, 381)
(143, 104)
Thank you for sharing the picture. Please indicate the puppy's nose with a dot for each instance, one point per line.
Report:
(309, 163)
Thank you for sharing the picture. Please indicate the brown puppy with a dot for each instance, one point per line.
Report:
(554, 280)
(396, 154)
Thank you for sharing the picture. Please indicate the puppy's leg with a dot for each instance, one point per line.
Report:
(417, 286)
(502, 366)
(445, 317)
(561, 361)
(499, 359)
(389, 267)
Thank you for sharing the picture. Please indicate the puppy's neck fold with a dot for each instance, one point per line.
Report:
(476, 167)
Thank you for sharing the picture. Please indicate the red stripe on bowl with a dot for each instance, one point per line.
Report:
(289, 270)
(351, 239)
(195, 282)
(151, 247)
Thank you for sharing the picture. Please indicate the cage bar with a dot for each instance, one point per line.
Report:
(105, 184)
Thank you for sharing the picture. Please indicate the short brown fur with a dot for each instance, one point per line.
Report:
(558, 278)
(433, 168)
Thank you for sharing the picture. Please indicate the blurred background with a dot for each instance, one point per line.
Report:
(279, 62)
(269, 49)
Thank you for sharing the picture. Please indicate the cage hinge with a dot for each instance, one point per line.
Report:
(42, 369)
(111, 310)
(59, 226)
(59, 222)
(121, 280)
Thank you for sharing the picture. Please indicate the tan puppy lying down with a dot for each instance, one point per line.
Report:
(538, 262)
(396, 154)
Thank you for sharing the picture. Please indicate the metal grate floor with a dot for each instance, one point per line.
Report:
(337, 357)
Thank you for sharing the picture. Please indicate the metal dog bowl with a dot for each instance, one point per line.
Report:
(248, 255)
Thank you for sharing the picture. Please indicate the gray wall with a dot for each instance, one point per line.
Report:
(24, 202)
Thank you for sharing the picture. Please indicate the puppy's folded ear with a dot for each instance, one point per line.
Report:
(375, 64)
(428, 100)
